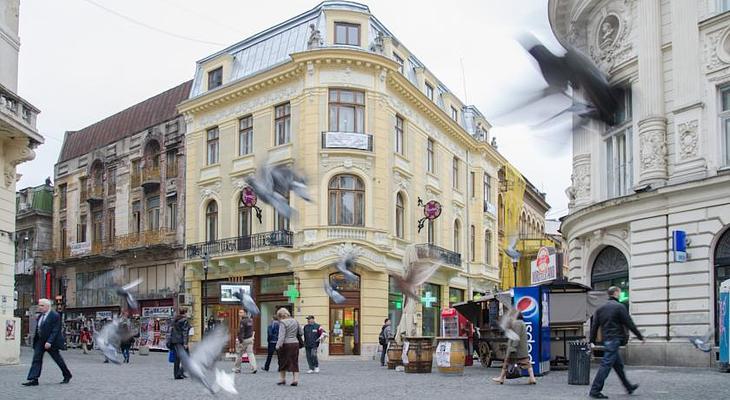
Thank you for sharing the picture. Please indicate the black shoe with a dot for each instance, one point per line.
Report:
(598, 396)
(179, 377)
(632, 388)
(254, 371)
(65, 380)
(34, 382)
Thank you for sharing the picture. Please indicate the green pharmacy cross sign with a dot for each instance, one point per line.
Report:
(428, 300)
(292, 293)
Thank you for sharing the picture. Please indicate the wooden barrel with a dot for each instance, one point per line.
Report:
(420, 355)
(395, 354)
(450, 356)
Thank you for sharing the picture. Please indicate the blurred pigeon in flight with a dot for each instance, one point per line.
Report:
(225, 381)
(247, 302)
(273, 184)
(333, 294)
(511, 251)
(109, 338)
(201, 360)
(286, 180)
(108, 280)
(125, 293)
(345, 265)
(509, 316)
(416, 275)
(702, 343)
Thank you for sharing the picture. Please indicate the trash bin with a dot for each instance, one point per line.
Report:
(579, 364)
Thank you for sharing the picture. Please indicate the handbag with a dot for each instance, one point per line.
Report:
(171, 356)
(514, 371)
(300, 340)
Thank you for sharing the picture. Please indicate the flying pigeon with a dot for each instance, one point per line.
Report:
(509, 317)
(225, 381)
(286, 180)
(108, 280)
(272, 185)
(124, 292)
(110, 338)
(345, 264)
(247, 302)
(332, 293)
(511, 251)
(204, 355)
(416, 275)
(702, 343)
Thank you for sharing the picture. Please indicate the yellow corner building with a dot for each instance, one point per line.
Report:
(333, 94)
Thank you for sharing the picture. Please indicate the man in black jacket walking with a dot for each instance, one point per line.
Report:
(178, 341)
(613, 318)
(48, 338)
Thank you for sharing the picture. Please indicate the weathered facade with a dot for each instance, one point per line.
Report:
(118, 208)
(661, 168)
(33, 236)
(18, 138)
(332, 93)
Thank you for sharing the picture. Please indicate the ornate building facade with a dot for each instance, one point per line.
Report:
(662, 167)
(18, 138)
(335, 95)
(118, 212)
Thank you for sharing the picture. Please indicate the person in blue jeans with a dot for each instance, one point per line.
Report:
(313, 336)
(273, 337)
(613, 319)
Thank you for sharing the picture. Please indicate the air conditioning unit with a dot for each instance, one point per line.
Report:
(185, 299)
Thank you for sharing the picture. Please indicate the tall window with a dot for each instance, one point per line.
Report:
(213, 149)
(725, 117)
(488, 247)
(455, 173)
(136, 217)
(722, 273)
(244, 219)
(347, 111)
(153, 213)
(457, 236)
(347, 34)
(83, 189)
(62, 237)
(282, 124)
(429, 91)
(171, 214)
(136, 172)
(97, 231)
(346, 201)
(399, 215)
(281, 222)
(171, 163)
(618, 149)
(454, 113)
(211, 221)
(487, 188)
(215, 78)
(472, 242)
(472, 184)
(111, 219)
(430, 160)
(81, 234)
(431, 232)
(62, 196)
(245, 135)
(111, 182)
(399, 135)
(399, 60)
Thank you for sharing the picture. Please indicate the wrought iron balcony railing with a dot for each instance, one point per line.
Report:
(162, 236)
(427, 250)
(239, 244)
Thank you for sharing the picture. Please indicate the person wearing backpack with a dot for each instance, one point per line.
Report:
(385, 334)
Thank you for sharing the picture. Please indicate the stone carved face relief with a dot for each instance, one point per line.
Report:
(608, 31)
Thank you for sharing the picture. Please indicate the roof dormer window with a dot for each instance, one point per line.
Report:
(215, 78)
(347, 34)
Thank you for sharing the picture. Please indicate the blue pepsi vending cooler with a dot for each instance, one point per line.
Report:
(724, 325)
(533, 302)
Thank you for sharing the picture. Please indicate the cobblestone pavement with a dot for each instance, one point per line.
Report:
(150, 377)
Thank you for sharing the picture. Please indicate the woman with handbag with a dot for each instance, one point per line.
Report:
(287, 346)
(517, 355)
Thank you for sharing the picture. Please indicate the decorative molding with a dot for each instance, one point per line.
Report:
(713, 46)
(209, 191)
(688, 140)
(580, 188)
(342, 250)
(609, 35)
(653, 150)
(331, 162)
(16, 151)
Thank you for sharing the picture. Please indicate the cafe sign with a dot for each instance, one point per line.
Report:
(544, 267)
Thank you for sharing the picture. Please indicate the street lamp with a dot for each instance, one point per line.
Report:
(514, 267)
(204, 293)
(64, 285)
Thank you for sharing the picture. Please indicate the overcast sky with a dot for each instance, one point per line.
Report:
(83, 60)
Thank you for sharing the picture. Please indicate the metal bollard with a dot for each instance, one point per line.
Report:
(579, 364)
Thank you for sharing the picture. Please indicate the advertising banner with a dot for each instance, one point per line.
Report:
(443, 354)
(529, 301)
(544, 267)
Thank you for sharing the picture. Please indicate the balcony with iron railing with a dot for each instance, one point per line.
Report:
(240, 244)
(448, 257)
(148, 238)
(347, 140)
(17, 113)
(151, 178)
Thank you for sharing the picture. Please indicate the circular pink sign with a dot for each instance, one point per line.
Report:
(248, 197)
(432, 209)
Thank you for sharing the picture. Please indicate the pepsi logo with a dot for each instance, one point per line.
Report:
(527, 306)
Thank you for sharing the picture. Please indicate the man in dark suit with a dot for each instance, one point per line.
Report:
(47, 338)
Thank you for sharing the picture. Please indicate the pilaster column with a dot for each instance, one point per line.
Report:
(652, 123)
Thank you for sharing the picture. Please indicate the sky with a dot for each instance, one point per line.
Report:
(84, 60)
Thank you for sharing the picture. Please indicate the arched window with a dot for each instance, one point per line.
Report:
(244, 219)
(472, 242)
(487, 247)
(611, 269)
(722, 272)
(152, 154)
(399, 216)
(211, 221)
(457, 236)
(346, 201)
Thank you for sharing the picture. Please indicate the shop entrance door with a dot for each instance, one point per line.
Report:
(344, 323)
